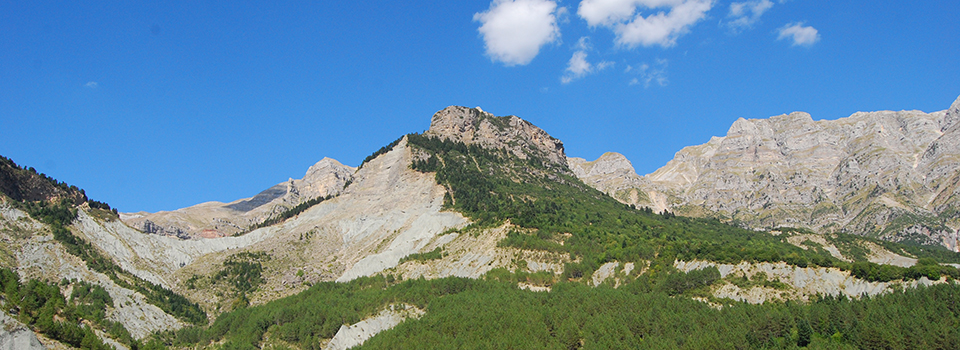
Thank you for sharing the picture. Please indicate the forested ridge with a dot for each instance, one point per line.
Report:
(59, 212)
(492, 185)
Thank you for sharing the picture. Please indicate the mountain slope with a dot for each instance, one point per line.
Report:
(891, 175)
(554, 233)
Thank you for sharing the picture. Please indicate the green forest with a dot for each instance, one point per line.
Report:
(492, 313)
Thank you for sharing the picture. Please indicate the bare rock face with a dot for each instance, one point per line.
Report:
(613, 174)
(892, 175)
(354, 335)
(16, 336)
(327, 177)
(473, 126)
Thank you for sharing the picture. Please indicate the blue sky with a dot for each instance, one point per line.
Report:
(161, 106)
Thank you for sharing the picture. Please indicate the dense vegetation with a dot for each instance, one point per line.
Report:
(435, 254)
(493, 313)
(43, 307)
(492, 185)
(242, 272)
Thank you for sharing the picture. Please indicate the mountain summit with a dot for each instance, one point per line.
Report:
(474, 126)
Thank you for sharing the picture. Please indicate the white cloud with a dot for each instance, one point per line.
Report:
(609, 12)
(633, 29)
(583, 44)
(578, 66)
(91, 84)
(800, 35)
(746, 14)
(647, 75)
(514, 30)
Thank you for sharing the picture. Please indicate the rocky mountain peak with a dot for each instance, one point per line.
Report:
(327, 177)
(952, 117)
(477, 127)
(791, 121)
(608, 163)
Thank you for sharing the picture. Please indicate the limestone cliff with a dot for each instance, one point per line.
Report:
(892, 175)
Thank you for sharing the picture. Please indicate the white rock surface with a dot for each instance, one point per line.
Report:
(604, 272)
(354, 335)
(16, 336)
(44, 257)
(155, 257)
(805, 281)
(38, 255)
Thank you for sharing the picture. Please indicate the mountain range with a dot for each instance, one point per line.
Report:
(784, 208)
(889, 175)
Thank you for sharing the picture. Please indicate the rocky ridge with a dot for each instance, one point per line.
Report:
(388, 211)
(891, 175)
(327, 177)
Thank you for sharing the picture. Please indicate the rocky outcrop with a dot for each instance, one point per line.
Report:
(798, 283)
(354, 335)
(892, 175)
(16, 336)
(327, 177)
(613, 174)
(473, 126)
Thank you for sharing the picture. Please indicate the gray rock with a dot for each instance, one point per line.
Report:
(16, 336)
(354, 335)
(473, 126)
(891, 175)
